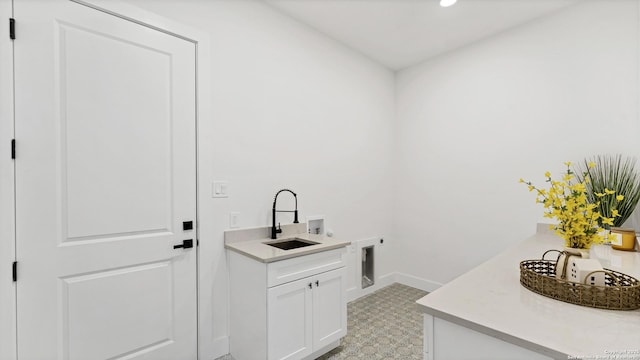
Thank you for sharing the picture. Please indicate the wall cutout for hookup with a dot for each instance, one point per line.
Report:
(315, 224)
(368, 265)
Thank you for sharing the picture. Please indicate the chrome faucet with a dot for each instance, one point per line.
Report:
(275, 231)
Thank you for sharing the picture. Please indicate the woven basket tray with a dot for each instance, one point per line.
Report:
(621, 291)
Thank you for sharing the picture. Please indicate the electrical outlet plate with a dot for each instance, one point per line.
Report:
(234, 218)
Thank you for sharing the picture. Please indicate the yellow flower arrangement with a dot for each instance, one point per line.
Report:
(566, 201)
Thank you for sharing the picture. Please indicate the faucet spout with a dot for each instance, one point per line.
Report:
(275, 231)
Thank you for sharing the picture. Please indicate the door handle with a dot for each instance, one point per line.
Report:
(186, 244)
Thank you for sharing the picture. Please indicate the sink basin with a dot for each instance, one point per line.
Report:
(288, 244)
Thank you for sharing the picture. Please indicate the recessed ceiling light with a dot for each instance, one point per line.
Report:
(445, 3)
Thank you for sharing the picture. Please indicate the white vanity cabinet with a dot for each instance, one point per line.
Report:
(305, 315)
(289, 309)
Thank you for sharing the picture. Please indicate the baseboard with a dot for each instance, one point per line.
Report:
(386, 280)
(220, 346)
(355, 293)
(352, 294)
(416, 282)
(391, 278)
(323, 350)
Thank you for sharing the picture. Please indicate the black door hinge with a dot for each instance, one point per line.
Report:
(15, 271)
(13, 148)
(12, 28)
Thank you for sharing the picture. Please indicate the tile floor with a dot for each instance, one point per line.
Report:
(383, 325)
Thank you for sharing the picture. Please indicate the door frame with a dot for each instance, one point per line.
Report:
(7, 194)
(204, 155)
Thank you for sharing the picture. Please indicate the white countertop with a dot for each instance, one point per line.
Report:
(489, 299)
(251, 242)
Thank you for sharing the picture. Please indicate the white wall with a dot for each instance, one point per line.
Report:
(473, 121)
(291, 109)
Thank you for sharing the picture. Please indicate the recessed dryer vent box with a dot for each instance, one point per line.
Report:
(368, 266)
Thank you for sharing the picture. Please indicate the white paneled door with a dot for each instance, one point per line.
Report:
(105, 182)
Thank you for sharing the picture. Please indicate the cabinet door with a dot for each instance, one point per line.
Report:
(289, 320)
(329, 307)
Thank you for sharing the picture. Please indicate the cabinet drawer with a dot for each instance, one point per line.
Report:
(284, 271)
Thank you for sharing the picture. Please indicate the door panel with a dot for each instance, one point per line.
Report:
(138, 164)
(329, 312)
(289, 320)
(143, 292)
(105, 175)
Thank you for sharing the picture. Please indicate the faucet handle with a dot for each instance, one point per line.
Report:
(279, 229)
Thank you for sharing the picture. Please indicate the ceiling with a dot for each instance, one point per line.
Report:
(401, 33)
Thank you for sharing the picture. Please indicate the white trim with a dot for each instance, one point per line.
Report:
(387, 279)
(220, 347)
(325, 349)
(418, 283)
(147, 18)
(7, 209)
(207, 259)
(207, 345)
(381, 281)
(356, 293)
(352, 294)
(392, 278)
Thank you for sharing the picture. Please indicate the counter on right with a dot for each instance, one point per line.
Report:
(487, 314)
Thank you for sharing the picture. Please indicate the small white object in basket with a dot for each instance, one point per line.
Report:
(578, 269)
(572, 254)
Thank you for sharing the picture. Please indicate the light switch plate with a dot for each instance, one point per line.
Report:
(220, 189)
(234, 218)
